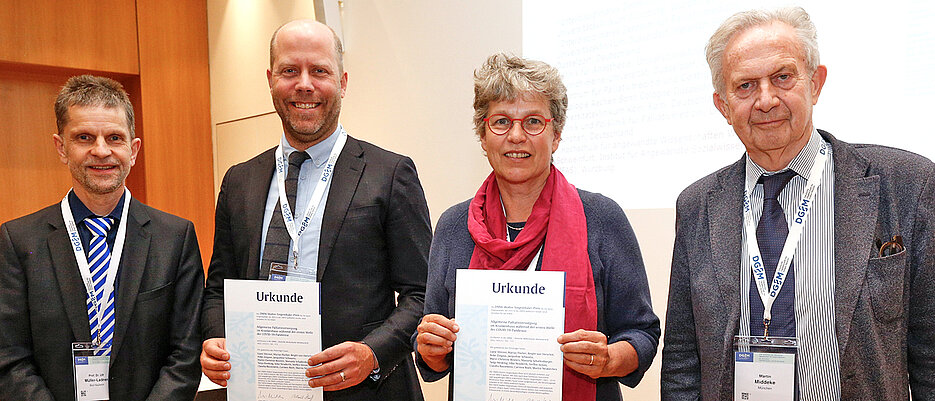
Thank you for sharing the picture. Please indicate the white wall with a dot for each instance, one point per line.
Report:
(410, 71)
(242, 115)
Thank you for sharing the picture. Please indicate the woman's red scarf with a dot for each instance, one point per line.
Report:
(559, 215)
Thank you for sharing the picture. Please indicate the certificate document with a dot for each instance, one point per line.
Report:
(272, 329)
(507, 348)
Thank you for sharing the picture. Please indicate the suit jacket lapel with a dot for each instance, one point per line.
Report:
(856, 197)
(130, 274)
(347, 172)
(725, 221)
(70, 284)
(257, 189)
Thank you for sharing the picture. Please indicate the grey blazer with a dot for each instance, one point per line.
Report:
(43, 310)
(884, 307)
(375, 237)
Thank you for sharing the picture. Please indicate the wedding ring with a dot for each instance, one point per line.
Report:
(344, 378)
(592, 360)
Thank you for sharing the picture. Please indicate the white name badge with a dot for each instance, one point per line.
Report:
(91, 370)
(764, 368)
(285, 272)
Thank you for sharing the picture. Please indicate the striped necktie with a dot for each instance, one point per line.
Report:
(99, 261)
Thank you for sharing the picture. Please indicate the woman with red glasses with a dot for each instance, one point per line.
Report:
(526, 216)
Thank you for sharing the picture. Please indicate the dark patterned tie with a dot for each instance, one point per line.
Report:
(277, 237)
(771, 233)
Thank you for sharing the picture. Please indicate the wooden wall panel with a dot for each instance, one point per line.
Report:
(43, 43)
(94, 35)
(174, 87)
(136, 181)
(31, 175)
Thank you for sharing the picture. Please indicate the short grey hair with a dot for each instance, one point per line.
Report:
(796, 17)
(338, 47)
(505, 77)
(89, 90)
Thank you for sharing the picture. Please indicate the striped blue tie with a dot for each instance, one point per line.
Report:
(99, 261)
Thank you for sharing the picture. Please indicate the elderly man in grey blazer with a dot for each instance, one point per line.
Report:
(805, 236)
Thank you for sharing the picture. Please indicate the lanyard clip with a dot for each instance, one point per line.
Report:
(765, 328)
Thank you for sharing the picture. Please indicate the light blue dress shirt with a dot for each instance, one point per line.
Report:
(308, 178)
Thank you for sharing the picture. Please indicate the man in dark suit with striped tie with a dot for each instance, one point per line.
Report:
(806, 236)
(98, 270)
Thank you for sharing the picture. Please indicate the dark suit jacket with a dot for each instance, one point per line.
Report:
(884, 307)
(43, 308)
(375, 238)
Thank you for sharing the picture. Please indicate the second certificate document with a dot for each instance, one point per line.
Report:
(508, 347)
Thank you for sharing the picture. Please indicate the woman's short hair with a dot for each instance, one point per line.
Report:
(505, 77)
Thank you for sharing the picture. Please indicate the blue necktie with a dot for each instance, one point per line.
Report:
(771, 233)
(99, 262)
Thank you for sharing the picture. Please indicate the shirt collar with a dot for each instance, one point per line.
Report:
(80, 212)
(319, 152)
(801, 164)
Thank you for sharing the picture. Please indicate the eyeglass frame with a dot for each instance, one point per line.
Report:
(513, 122)
(892, 247)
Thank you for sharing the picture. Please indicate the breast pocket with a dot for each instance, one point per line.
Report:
(370, 211)
(886, 279)
(361, 233)
(157, 292)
